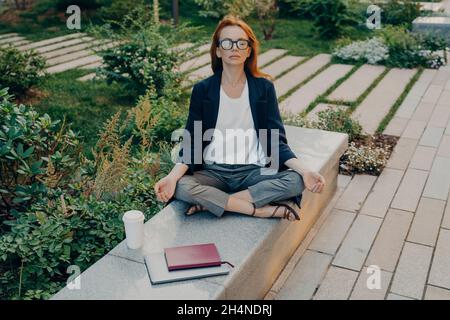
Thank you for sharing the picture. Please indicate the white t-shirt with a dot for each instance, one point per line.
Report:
(234, 139)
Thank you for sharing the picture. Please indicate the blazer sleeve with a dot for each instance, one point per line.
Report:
(195, 114)
(275, 122)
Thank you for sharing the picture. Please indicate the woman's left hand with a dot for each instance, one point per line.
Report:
(314, 181)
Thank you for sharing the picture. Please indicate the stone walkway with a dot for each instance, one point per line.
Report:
(398, 222)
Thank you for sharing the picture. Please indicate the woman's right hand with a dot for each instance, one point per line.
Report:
(165, 188)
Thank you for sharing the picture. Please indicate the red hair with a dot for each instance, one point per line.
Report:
(251, 62)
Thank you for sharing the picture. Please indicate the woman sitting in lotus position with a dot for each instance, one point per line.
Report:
(239, 104)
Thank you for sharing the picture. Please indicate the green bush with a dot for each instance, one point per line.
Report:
(338, 120)
(143, 57)
(35, 153)
(79, 221)
(330, 17)
(19, 71)
(409, 50)
(399, 12)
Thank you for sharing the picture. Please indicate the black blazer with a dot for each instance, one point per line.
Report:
(204, 106)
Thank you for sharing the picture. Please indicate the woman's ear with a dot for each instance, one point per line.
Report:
(218, 53)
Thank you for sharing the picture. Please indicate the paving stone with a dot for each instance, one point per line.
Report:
(92, 65)
(441, 76)
(444, 147)
(407, 107)
(300, 73)
(87, 77)
(389, 242)
(439, 273)
(446, 219)
(427, 219)
(305, 277)
(440, 116)
(354, 195)
(313, 114)
(281, 65)
(410, 190)
(63, 44)
(343, 180)
(423, 111)
(431, 136)
(11, 39)
(380, 100)
(362, 290)
(414, 129)
(402, 153)
(438, 183)
(444, 99)
(383, 191)
(46, 42)
(435, 293)
(269, 56)
(75, 55)
(195, 62)
(332, 232)
(423, 158)
(411, 274)
(337, 284)
(67, 50)
(305, 95)
(7, 35)
(393, 296)
(73, 64)
(352, 88)
(396, 126)
(432, 94)
(14, 44)
(357, 242)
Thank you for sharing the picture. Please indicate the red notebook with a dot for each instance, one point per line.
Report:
(193, 256)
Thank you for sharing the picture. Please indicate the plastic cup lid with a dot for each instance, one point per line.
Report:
(133, 215)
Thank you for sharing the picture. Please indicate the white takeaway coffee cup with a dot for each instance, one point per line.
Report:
(134, 228)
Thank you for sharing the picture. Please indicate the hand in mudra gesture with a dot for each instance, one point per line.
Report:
(165, 188)
(314, 181)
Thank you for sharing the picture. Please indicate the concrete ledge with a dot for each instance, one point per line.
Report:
(259, 248)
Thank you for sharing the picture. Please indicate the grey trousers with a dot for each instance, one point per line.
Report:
(212, 186)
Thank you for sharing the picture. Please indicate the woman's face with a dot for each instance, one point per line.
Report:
(233, 56)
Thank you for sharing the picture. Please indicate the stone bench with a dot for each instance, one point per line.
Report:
(259, 248)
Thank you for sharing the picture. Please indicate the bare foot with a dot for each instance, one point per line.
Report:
(269, 211)
(195, 208)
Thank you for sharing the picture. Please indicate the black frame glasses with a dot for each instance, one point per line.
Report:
(241, 44)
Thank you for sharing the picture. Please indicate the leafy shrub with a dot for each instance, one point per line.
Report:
(370, 51)
(399, 12)
(78, 222)
(338, 120)
(143, 57)
(267, 11)
(36, 153)
(330, 119)
(364, 158)
(395, 47)
(409, 50)
(330, 16)
(219, 8)
(117, 9)
(20, 70)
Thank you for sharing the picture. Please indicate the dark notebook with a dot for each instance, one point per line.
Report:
(193, 256)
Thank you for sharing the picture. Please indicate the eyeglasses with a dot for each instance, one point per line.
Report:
(227, 44)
